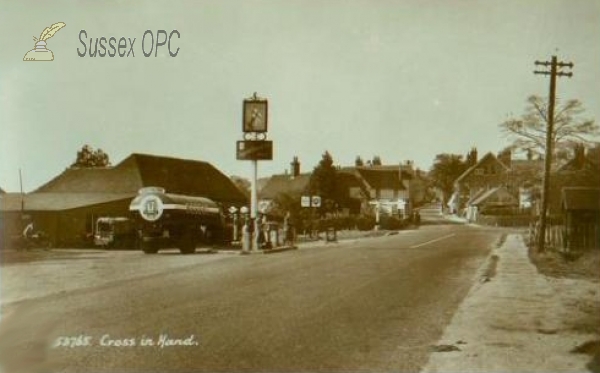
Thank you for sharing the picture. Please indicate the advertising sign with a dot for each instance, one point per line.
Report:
(310, 201)
(305, 201)
(255, 150)
(316, 201)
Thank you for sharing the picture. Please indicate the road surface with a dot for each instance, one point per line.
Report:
(376, 304)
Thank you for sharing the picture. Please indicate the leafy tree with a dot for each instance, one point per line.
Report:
(359, 161)
(445, 170)
(285, 203)
(529, 130)
(323, 183)
(376, 161)
(87, 157)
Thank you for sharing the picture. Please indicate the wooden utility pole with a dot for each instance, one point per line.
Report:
(554, 72)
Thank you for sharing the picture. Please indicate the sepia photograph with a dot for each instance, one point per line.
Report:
(344, 186)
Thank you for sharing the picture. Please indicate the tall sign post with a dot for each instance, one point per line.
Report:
(255, 147)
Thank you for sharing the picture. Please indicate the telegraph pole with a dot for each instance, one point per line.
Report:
(554, 72)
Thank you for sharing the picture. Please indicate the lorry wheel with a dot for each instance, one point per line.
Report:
(148, 248)
(187, 248)
(187, 244)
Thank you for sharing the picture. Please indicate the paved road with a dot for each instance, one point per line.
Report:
(373, 305)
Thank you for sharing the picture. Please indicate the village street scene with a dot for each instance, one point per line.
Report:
(344, 198)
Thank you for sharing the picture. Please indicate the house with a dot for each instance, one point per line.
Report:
(350, 192)
(284, 186)
(489, 172)
(384, 188)
(518, 177)
(583, 170)
(581, 211)
(490, 200)
(416, 182)
(67, 206)
(292, 186)
(394, 188)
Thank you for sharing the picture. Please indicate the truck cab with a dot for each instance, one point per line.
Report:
(114, 232)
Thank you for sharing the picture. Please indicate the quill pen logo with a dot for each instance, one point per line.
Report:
(40, 52)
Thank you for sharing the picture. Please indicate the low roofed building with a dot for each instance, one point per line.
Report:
(67, 206)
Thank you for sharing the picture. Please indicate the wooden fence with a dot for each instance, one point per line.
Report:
(555, 235)
(565, 239)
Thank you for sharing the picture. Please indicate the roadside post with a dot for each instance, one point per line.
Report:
(377, 204)
(254, 147)
(246, 234)
(313, 203)
(234, 213)
(288, 230)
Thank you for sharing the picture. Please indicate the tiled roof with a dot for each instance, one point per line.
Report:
(287, 184)
(123, 178)
(577, 165)
(525, 164)
(581, 198)
(476, 196)
(406, 169)
(348, 179)
(483, 159)
(179, 176)
(381, 178)
(57, 201)
(498, 196)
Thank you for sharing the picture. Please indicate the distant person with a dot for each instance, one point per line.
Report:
(28, 231)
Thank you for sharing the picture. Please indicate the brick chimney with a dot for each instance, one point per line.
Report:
(579, 156)
(472, 157)
(295, 167)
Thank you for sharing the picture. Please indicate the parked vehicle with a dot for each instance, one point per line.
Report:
(165, 220)
(111, 232)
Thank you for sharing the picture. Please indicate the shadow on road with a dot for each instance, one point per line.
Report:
(441, 222)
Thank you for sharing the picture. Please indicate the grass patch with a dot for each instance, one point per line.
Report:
(584, 265)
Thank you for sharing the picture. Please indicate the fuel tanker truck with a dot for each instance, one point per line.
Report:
(165, 220)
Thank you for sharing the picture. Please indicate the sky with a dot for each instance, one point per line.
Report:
(404, 79)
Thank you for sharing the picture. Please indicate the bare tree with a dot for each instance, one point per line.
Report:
(529, 130)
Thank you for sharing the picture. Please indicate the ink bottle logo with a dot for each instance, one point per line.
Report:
(40, 52)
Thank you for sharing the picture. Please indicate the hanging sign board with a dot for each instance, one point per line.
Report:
(256, 113)
(255, 150)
